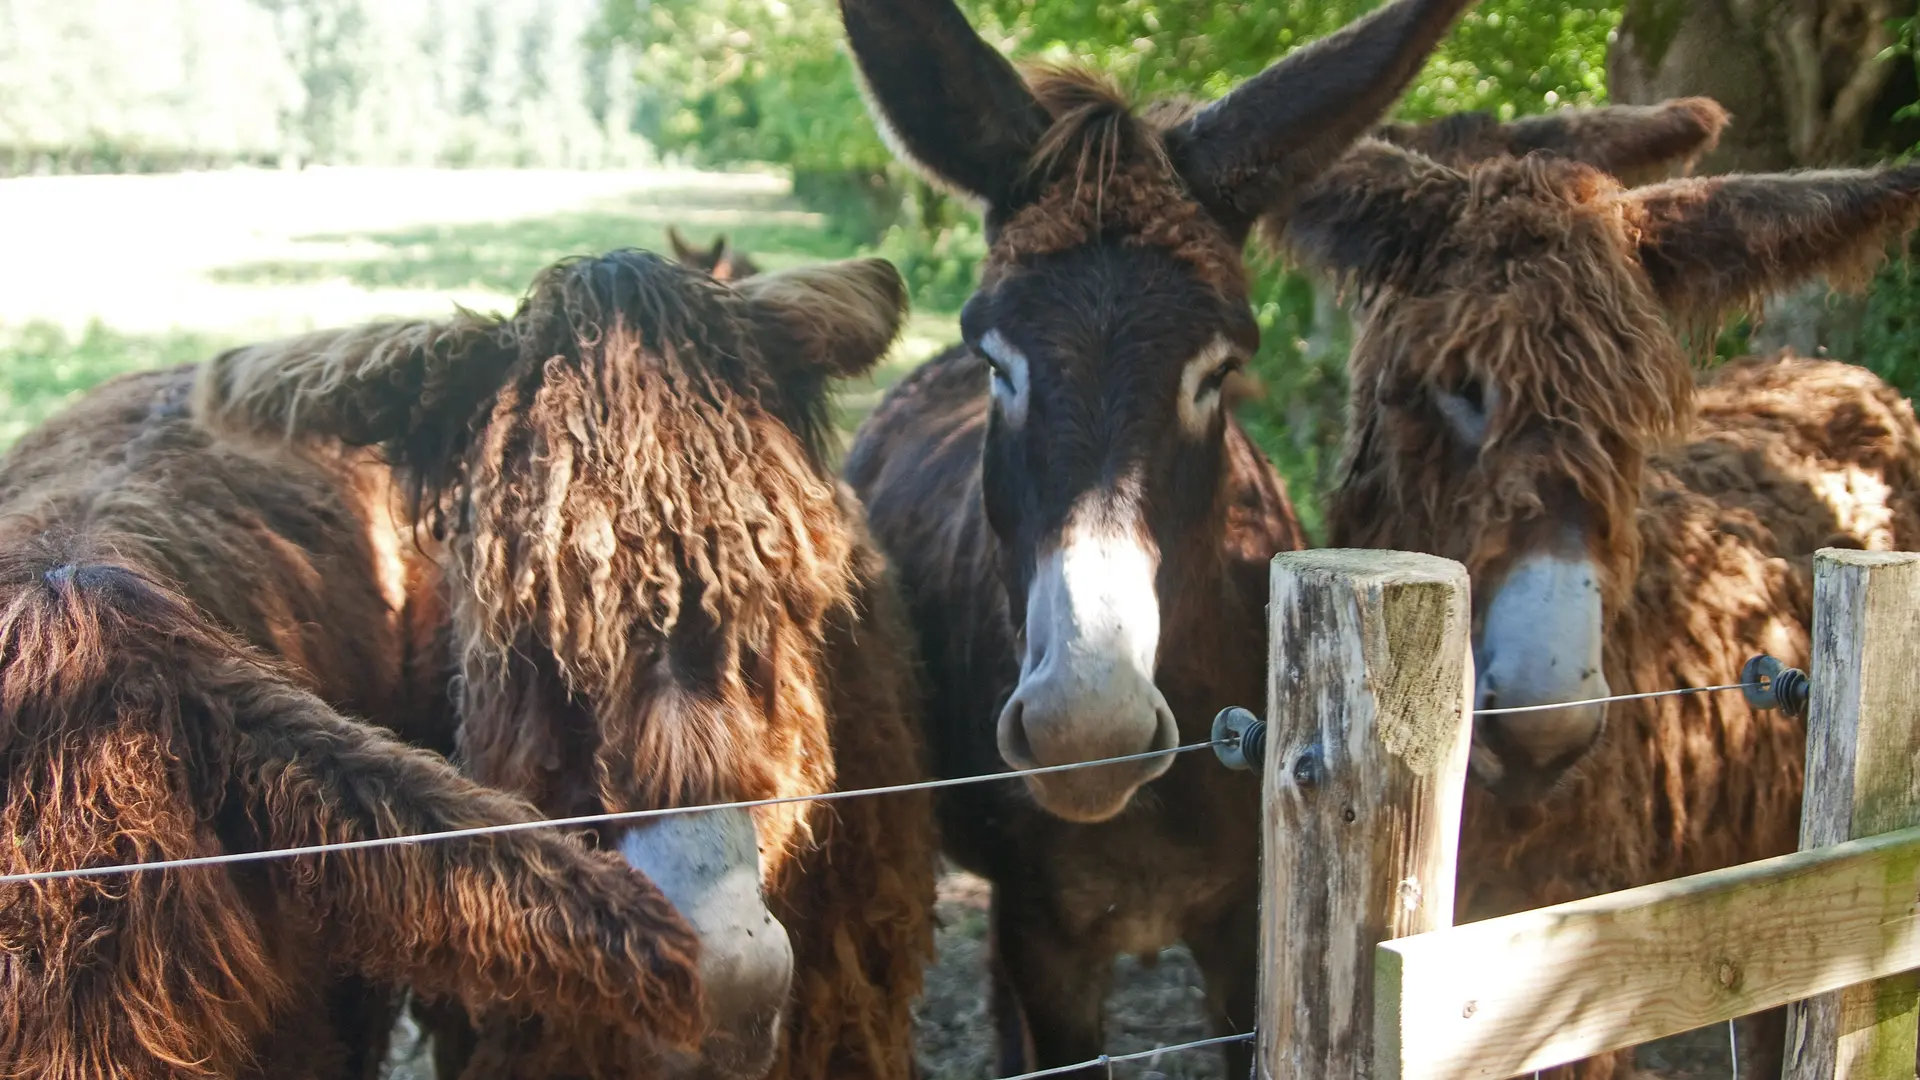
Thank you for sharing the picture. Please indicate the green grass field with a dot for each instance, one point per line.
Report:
(116, 273)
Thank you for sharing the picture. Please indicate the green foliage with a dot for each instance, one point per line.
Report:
(769, 80)
(42, 367)
(1889, 341)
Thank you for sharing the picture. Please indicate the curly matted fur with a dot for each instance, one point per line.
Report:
(133, 726)
(1547, 291)
(659, 595)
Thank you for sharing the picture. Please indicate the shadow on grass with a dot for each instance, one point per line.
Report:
(42, 368)
(503, 256)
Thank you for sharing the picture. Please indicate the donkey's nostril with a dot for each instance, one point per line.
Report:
(1015, 745)
(1166, 730)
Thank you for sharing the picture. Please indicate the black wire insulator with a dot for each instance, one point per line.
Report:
(1240, 739)
(1792, 689)
(1770, 684)
(1253, 744)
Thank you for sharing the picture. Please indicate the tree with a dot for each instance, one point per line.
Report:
(1810, 83)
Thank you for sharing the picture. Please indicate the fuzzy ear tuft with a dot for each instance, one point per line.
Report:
(1636, 143)
(835, 319)
(1714, 243)
(1374, 217)
(410, 386)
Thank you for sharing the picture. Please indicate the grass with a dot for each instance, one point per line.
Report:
(42, 367)
(111, 274)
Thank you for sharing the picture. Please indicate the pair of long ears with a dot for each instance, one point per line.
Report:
(956, 108)
(1706, 244)
(417, 388)
(691, 254)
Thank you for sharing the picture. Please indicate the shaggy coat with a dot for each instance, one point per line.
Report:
(142, 564)
(660, 597)
(1540, 293)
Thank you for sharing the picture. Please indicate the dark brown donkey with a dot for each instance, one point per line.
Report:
(1082, 528)
(1517, 396)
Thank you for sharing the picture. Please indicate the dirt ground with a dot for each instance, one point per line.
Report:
(1157, 1005)
(1151, 1005)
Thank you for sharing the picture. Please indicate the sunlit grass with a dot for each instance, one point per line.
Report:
(111, 274)
(42, 367)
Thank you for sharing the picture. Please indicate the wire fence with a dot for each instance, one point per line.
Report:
(1108, 1061)
(1103, 1061)
(615, 817)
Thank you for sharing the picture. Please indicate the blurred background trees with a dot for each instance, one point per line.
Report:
(117, 86)
(114, 86)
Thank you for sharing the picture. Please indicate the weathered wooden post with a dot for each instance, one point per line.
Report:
(1369, 712)
(1863, 749)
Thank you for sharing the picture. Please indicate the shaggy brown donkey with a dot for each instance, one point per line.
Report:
(661, 597)
(1082, 529)
(723, 261)
(134, 728)
(1515, 387)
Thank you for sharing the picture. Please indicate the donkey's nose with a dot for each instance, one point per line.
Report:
(708, 864)
(1523, 755)
(1057, 718)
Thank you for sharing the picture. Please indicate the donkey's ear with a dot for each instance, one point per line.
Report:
(411, 386)
(947, 101)
(835, 319)
(1248, 153)
(1712, 243)
(1375, 216)
(682, 250)
(720, 248)
(1628, 141)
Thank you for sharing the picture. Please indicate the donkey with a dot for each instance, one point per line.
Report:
(722, 261)
(660, 597)
(180, 619)
(1521, 403)
(1081, 527)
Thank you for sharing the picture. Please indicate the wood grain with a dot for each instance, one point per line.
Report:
(1369, 715)
(1506, 996)
(1863, 743)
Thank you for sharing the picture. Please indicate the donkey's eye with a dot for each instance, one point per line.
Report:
(1217, 378)
(1009, 367)
(1464, 408)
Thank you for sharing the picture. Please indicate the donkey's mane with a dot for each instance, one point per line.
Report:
(1576, 340)
(1102, 169)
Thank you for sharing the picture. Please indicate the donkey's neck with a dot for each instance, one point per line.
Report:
(1214, 636)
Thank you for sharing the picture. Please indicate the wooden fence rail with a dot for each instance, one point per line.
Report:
(1369, 710)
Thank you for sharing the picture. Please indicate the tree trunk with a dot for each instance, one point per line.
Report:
(1808, 86)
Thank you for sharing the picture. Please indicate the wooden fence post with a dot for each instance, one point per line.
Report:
(1863, 746)
(1369, 711)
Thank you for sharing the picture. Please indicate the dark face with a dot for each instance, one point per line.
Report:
(1107, 367)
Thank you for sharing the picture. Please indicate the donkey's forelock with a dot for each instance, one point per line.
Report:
(1102, 171)
(1533, 298)
(633, 443)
